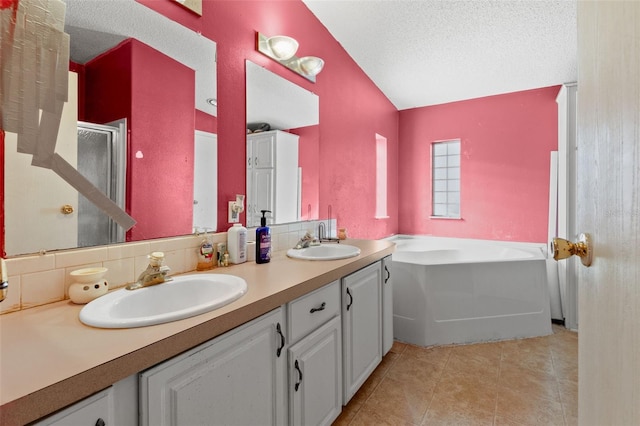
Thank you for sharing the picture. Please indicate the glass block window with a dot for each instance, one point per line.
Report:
(445, 167)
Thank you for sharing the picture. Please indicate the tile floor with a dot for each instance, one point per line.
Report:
(516, 382)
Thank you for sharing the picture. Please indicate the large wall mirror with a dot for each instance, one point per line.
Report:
(278, 104)
(142, 102)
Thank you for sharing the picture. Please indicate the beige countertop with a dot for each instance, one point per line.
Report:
(49, 359)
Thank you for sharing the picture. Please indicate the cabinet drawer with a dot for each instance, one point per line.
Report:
(89, 411)
(310, 311)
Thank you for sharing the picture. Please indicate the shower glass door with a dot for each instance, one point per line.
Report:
(101, 159)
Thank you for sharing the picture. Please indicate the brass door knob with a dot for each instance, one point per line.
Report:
(66, 209)
(583, 248)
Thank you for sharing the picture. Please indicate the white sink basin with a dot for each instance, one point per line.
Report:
(184, 297)
(324, 252)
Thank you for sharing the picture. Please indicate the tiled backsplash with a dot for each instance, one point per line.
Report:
(36, 280)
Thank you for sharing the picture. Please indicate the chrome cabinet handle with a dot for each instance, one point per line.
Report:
(386, 280)
(321, 308)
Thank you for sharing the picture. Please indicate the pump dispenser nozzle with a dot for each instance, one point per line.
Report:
(263, 219)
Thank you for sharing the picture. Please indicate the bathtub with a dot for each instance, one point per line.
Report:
(448, 290)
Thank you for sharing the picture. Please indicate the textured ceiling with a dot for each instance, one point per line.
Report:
(427, 52)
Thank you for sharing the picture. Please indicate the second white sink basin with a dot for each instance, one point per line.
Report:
(184, 297)
(324, 252)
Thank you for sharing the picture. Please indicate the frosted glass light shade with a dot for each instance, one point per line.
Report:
(311, 65)
(283, 47)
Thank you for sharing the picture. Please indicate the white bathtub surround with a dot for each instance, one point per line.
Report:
(40, 279)
(449, 290)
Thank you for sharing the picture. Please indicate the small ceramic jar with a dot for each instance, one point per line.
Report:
(88, 285)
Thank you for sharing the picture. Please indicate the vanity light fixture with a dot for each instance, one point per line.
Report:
(282, 49)
(311, 65)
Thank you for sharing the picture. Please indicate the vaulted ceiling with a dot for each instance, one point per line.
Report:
(427, 52)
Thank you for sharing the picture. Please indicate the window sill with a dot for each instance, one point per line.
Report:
(445, 218)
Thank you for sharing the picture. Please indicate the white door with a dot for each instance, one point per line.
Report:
(609, 209)
(205, 181)
(34, 196)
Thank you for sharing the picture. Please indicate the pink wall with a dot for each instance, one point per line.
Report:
(352, 110)
(160, 126)
(505, 143)
(506, 139)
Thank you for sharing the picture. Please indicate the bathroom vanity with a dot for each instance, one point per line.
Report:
(293, 350)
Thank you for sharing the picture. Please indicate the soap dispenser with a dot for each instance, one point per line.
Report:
(263, 240)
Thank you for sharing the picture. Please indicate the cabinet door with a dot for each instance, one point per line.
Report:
(361, 326)
(259, 194)
(263, 150)
(263, 190)
(315, 376)
(238, 378)
(387, 305)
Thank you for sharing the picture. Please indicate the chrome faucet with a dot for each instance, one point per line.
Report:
(307, 240)
(156, 272)
(4, 281)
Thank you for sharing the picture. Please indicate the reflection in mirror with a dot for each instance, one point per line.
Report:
(115, 85)
(284, 108)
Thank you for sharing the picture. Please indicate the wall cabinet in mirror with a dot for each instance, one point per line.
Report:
(272, 177)
(279, 104)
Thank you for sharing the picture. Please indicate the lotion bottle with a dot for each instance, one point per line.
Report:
(237, 243)
(263, 240)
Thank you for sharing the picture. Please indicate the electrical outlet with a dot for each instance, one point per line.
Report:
(234, 216)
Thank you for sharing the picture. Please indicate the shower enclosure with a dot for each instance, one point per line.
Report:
(102, 160)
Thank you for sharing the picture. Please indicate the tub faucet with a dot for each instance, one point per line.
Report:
(322, 234)
(156, 272)
(4, 281)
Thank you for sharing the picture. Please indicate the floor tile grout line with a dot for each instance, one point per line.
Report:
(555, 374)
(376, 386)
(435, 387)
(495, 406)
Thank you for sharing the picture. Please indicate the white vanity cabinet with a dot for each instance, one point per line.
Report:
(96, 410)
(115, 405)
(272, 177)
(387, 305)
(315, 358)
(361, 326)
(238, 378)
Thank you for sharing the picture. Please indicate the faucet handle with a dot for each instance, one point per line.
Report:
(156, 258)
